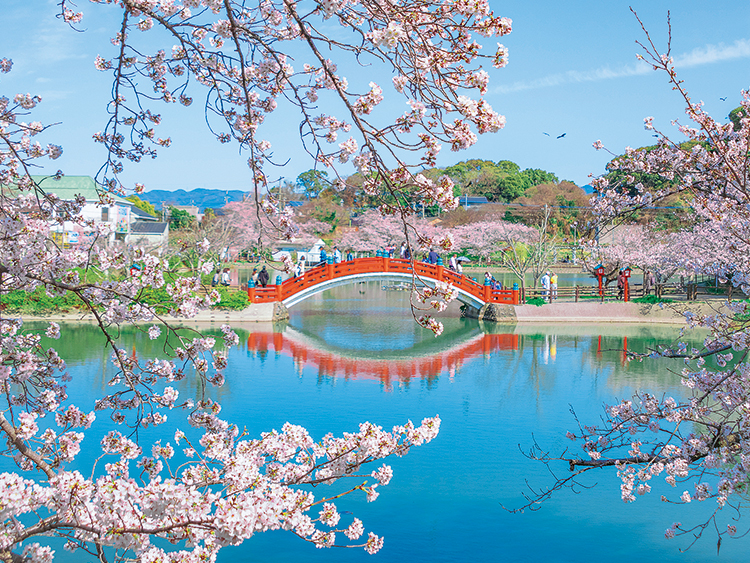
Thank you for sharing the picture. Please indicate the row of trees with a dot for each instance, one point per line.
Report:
(485, 235)
(503, 181)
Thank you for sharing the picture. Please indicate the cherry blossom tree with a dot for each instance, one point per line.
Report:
(541, 250)
(374, 231)
(486, 238)
(626, 246)
(224, 487)
(519, 247)
(217, 487)
(239, 52)
(698, 445)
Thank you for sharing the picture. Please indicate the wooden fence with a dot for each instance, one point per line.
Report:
(689, 292)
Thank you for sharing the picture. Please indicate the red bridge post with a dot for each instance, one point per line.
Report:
(329, 268)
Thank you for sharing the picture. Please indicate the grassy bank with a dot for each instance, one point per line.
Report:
(40, 303)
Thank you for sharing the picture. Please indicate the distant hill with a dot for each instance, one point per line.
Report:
(202, 197)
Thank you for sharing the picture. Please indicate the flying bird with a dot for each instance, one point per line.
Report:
(724, 99)
(546, 133)
(561, 136)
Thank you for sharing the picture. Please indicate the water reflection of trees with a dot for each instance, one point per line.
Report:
(83, 346)
(602, 353)
(530, 354)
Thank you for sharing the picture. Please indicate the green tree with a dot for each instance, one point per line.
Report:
(179, 218)
(508, 166)
(143, 205)
(735, 115)
(312, 183)
(511, 187)
(534, 177)
(461, 171)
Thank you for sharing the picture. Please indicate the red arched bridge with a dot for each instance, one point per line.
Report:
(326, 276)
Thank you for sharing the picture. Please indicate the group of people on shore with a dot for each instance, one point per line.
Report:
(549, 286)
(221, 277)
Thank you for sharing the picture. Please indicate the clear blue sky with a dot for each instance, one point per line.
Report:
(572, 70)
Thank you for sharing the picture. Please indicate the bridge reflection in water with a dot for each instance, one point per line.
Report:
(309, 352)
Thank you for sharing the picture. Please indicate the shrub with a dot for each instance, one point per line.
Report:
(232, 300)
(652, 299)
(38, 302)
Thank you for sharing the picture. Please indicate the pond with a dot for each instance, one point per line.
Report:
(355, 354)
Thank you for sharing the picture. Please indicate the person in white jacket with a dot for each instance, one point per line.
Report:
(545, 285)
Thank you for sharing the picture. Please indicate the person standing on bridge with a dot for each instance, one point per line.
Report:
(402, 253)
(336, 255)
(349, 256)
(432, 257)
(263, 277)
(452, 264)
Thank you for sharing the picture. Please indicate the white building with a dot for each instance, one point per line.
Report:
(312, 255)
(118, 214)
(152, 235)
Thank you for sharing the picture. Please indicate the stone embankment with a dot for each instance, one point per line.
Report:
(565, 312)
(257, 312)
(597, 312)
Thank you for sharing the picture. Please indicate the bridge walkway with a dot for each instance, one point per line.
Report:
(296, 289)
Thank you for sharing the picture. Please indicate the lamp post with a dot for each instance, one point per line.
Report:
(626, 290)
(599, 271)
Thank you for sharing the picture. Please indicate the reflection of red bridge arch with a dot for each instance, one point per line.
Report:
(326, 276)
(386, 371)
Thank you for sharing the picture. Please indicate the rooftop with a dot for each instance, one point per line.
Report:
(67, 187)
(148, 228)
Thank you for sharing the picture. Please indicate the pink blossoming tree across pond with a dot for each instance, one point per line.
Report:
(220, 488)
(701, 445)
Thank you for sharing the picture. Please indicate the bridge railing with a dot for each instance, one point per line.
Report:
(378, 264)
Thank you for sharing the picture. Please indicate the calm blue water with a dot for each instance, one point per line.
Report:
(357, 355)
